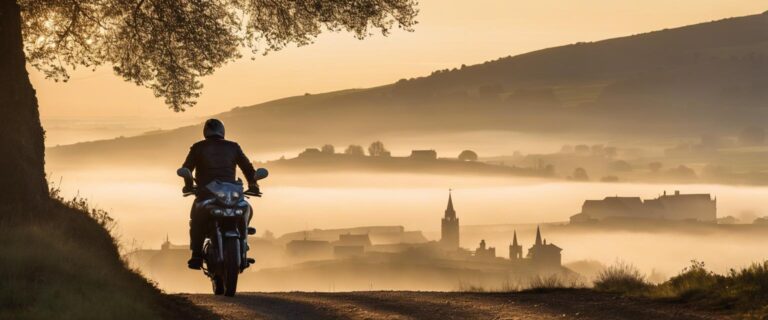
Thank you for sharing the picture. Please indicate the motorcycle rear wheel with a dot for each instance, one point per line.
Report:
(231, 265)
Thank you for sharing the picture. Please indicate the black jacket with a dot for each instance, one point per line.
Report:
(215, 159)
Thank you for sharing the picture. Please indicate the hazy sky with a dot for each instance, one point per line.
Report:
(449, 33)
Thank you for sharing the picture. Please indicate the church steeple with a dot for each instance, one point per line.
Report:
(167, 244)
(450, 226)
(515, 249)
(538, 236)
(449, 212)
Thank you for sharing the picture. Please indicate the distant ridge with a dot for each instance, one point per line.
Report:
(709, 77)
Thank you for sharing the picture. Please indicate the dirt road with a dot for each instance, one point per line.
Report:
(565, 304)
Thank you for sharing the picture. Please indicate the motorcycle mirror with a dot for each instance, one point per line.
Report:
(184, 173)
(261, 173)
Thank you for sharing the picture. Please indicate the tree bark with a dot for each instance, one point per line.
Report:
(22, 150)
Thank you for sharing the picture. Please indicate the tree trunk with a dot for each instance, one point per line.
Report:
(22, 152)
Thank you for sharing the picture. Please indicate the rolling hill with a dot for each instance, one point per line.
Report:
(710, 77)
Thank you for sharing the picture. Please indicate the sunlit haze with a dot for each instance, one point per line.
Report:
(449, 33)
(532, 168)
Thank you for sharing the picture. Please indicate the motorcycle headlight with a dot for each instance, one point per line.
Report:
(239, 212)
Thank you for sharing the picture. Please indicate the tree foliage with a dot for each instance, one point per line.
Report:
(328, 149)
(468, 155)
(167, 45)
(354, 150)
(377, 149)
(579, 174)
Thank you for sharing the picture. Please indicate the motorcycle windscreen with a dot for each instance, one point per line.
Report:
(227, 193)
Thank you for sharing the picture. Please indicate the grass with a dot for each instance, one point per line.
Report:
(537, 283)
(743, 292)
(63, 264)
(554, 281)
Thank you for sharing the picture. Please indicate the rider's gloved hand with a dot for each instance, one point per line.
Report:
(188, 189)
(253, 189)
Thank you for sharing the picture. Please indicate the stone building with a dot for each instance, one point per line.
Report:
(677, 206)
(544, 255)
(484, 252)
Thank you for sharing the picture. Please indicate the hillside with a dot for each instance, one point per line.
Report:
(64, 264)
(710, 77)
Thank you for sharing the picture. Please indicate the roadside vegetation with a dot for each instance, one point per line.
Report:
(539, 284)
(63, 263)
(743, 291)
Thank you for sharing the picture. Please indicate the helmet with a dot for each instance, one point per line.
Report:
(213, 128)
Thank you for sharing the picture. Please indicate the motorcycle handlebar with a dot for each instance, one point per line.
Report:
(252, 193)
(189, 179)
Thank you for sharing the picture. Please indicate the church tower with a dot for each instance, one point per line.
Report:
(450, 228)
(515, 250)
(538, 236)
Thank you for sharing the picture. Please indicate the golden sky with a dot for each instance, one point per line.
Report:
(449, 33)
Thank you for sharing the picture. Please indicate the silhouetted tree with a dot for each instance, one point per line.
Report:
(159, 44)
(579, 174)
(597, 150)
(376, 149)
(468, 155)
(328, 149)
(682, 172)
(620, 165)
(752, 136)
(354, 150)
(727, 220)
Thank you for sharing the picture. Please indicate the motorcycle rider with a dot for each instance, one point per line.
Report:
(213, 159)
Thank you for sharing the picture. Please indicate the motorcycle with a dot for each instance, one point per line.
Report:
(225, 248)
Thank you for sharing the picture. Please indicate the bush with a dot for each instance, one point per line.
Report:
(693, 280)
(743, 291)
(621, 277)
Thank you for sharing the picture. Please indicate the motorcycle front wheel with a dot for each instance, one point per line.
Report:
(218, 285)
(231, 265)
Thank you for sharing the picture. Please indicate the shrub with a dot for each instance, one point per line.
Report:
(693, 280)
(621, 277)
(743, 291)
